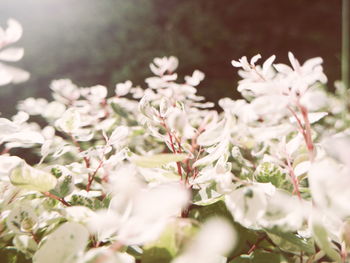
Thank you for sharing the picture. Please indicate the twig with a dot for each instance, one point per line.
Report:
(179, 170)
(48, 194)
(92, 176)
(293, 177)
(35, 238)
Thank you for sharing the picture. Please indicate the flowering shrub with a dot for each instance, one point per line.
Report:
(158, 175)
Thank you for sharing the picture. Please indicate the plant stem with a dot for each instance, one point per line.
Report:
(76, 143)
(295, 181)
(35, 238)
(172, 146)
(48, 194)
(92, 176)
(307, 128)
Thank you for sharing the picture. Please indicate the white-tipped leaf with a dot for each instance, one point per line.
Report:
(158, 160)
(27, 177)
(63, 245)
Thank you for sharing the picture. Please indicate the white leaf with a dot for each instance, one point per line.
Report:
(54, 110)
(293, 145)
(157, 160)
(13, 32)
(25, 137)
(63, 245)
(7, 163)
(254, 59)
(302, 168)
(5, 76)
(316, 116)
(11, 54)
(27, 177)
(7, 127)
(215, 153)
(195, 79)
(267, 64)
(118, 135)
(215, 239)
(121, 89)
(17, 75)
(70, 121)
(295, 63)
(22, 219)
(235, 63)
(20, 117)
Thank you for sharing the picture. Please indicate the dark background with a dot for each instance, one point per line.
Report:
(109, 41)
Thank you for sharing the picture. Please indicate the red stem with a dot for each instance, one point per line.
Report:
(307, 128)
(294, 178)
(48, 194)
(92, 176)
(172, 146)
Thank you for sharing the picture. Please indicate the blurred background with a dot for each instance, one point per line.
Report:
(110, 41)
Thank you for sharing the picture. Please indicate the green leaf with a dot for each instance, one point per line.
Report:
(64, 186)
(202, 213)
(259, 257)
(291, 242)
(63, 245)
(322, 240)
(218, 209)
(154, 161)
(27, 177)
(207, 196)
(119, 110)
(56, 172)
(22, 219)
(93, 204)
(12, 255)
(269, 173)
(167, 246)
(25, 244)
